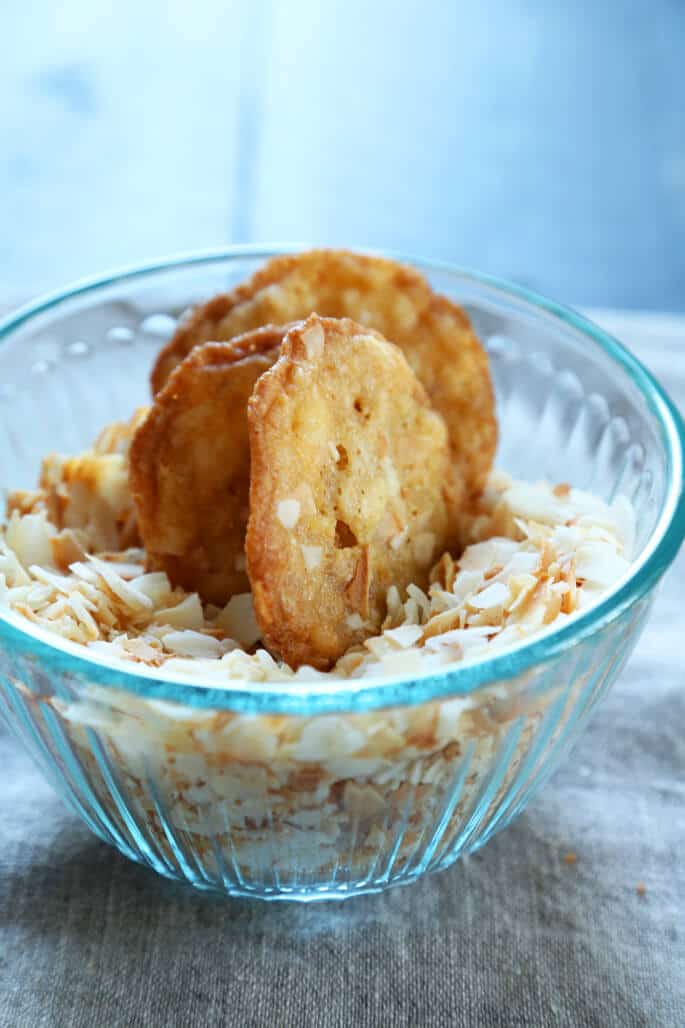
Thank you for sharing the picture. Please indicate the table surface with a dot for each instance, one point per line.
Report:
(514, 935)
(543, 142)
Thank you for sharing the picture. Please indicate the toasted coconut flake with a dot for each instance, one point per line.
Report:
(420, 598)
(364, 801)
(187, 614)
(538, 556)
(536, 503)
(599, 563)
(443, 622)
(143, 650)
(30, 538)
(378, 645)
(520, 588)
(192, 644)
(495, 595)
(324, 737)
(464, 637)
(444, 572)
(66, 549)
(553, 608)
(156, 586)
(125, 569)
(478, 557)
(521, 563)
(132, 597)
(405, 635)
(238, 620)
(77, 605)
(60, 583)
(406, 662)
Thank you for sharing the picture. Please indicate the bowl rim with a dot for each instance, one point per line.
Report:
(307, 698)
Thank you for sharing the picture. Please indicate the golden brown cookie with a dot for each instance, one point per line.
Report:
(433, 331)
(190, 466)
(350, 488)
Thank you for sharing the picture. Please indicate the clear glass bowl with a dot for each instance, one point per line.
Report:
(318, 790)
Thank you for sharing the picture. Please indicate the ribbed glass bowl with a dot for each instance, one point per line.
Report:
(318, 790)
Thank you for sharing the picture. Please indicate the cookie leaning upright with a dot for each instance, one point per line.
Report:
(190, 466)
(350, 488)
(434, 333)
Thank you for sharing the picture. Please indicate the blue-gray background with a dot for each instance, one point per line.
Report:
(541, 141)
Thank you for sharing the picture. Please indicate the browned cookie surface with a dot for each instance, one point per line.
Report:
(433, 331)
(350, 488)
(190, 466)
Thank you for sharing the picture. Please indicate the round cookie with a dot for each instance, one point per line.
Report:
(190, 466)
(351, 488)
(433, 331)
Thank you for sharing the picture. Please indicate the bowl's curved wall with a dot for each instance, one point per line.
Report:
(257, 805)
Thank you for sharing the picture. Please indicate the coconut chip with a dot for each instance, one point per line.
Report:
(538, 555)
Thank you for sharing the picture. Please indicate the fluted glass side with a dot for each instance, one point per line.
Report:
(293, 807)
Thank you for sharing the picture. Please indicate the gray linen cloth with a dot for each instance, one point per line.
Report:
(514, 935)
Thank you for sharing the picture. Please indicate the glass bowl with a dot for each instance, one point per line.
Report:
(325, 789)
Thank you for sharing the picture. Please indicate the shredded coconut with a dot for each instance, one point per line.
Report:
(238, 620)
(537, 554)
(519, 575)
